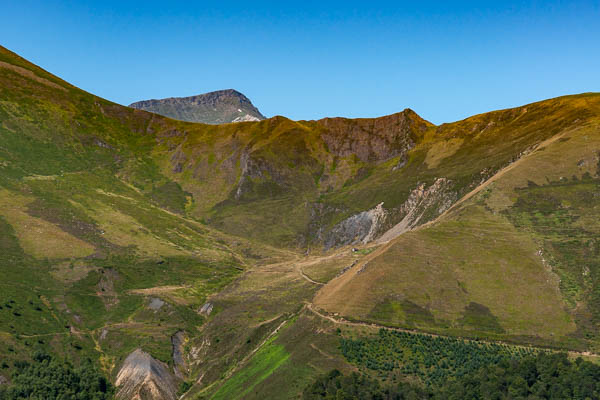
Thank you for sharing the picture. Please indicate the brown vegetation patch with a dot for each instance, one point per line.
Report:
(29, 74)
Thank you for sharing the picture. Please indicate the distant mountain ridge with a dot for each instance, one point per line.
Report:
(219, 107)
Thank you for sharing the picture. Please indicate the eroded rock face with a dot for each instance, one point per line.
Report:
(180, 367)
(376, 139)
(423, 205)
(144, 378)
(206, 309)
(250, 169)
(359, 228)
(255, 169)
(155, 304)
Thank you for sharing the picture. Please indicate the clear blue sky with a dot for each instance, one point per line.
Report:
(445, 60)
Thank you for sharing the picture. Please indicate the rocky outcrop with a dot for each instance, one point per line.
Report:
(106, 287)
(423, 204)
(246, 118)
(359, 228)
(206, 309)
(179, 362)
(256, 170)
(155, 304)
(250, 169)
(373, 140)
(316, 232)
(142, 377)
(218, 107)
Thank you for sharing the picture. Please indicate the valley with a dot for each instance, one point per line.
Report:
(247, 259)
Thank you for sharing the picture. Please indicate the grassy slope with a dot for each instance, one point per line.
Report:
(295, 186)
(88, 176)
(478, 272)
(473, 274)
(114, 192)
(87, 220)
(518, 260)
(487, 143)
(262, 299)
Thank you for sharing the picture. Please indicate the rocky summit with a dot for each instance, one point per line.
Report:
(220, 107)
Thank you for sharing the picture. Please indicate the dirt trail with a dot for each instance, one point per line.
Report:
(342, 321)
(273, 333)
(329, 290)
(268, 321)
(159, 290)
(306, 277)
(390, 235)
(299, 263)
(44, 334)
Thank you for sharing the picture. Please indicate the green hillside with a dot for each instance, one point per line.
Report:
(92, 233)
(239, 258)
(516, 259)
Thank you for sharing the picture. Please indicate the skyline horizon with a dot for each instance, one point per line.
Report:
(311, 61)
(327, 116)
(377, 116)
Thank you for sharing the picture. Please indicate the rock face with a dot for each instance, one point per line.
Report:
(218, 107)
(423, 205)
(375, 139)
(180, 367)
(155, 304)
(206, 309)
(359, 228)
(144, 378)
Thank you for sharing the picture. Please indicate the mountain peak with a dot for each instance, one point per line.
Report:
(218, 107)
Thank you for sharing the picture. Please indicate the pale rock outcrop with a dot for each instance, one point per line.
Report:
(206, 309)
(359, 228)
(142, 377)
(423, 204)
(246, 118)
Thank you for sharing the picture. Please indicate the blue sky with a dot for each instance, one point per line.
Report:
(445, 60)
